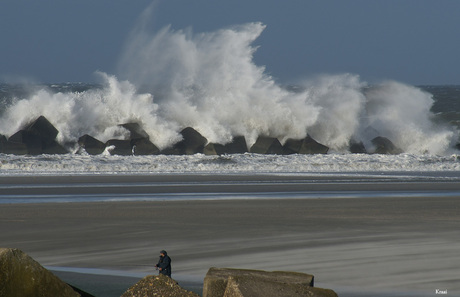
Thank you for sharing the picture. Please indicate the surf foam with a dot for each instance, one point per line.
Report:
(209, 81)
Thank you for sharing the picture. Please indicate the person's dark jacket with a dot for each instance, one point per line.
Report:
(165, 264)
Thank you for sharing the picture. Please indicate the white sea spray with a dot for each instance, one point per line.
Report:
(245, 164)
(171, 79)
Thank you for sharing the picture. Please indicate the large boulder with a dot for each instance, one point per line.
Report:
(304, 146)
(192, 143)
(91, 145)
(20, 276)
(220, 282)
(143, 146)
(267, 145)
(259, 286)
(157, 285)
(43, 128)
(119, 147)
(54, 148)
(140, 140)
(135, 130)
(9, 147)
(384, 146)
(214, 149)
(237, 146)
(3, 141)
(34, 143)
(357, 147)
(39, 138)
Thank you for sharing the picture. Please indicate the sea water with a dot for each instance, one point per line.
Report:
(169, 80)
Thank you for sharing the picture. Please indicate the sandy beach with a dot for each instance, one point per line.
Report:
(377, 246)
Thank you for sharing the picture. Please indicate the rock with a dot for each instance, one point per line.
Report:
(384, 146)
(54, 148)
(91, 145)
(357, 147)
(217, 280)
(214, 149)
(192, 143)
(139, 141)
(257, 286)
(143, 146)
(136, 131)
(21, 276)
(9, 147)
(43, 128)
(39, 138)
(304, 146)
(237, 146)
(120, 147)
(157, 285)
(81, 292)
(32, 141)
(3, 141)
(267, 145)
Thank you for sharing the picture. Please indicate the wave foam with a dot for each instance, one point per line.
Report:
(209, 81)
(229, 164)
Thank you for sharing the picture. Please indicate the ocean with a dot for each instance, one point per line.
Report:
(21, 103)
(169, 80)
(92, 107)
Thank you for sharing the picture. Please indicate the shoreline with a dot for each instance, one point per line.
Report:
(367, 244)
(166, 187)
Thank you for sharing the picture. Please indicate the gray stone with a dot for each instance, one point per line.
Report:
(136, 131)
(9, 147)
(214, 149)
(157, 285)
(120, 147)
(259, 286)
(267, 145)
(143, 146)
(31, 140)
(39, 138)
(91, 145)
(192, 143)
(216, 280)
(22, 276)
(357, 147)
(384, 146)
(43, 128)
(54, 148)
(304, 146)
(237, 146)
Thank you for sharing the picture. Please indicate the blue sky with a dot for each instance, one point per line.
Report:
(411, 41)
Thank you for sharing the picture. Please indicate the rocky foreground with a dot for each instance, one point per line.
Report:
(22, 276)
(39, 137)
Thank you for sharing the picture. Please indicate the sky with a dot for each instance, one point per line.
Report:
(411, 41)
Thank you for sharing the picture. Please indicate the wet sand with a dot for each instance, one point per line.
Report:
(377, 246)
